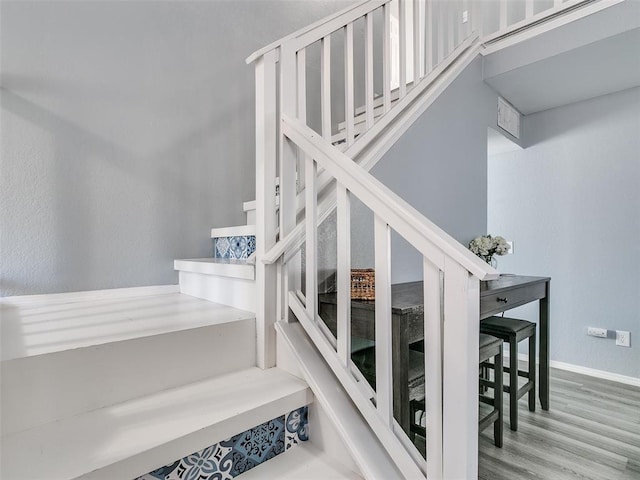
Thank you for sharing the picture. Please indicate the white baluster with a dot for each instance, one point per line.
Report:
(386, 57)
(503, 14)
(311, 227)
(384, 375)
(368, 75)
(440, 26)
(528, 9)
(343, 274)
(451, 25)
(433, 366)
(418, 40)
(325, 90)
(348, 82)
(402, 32)
(301, 88)
(429, 36)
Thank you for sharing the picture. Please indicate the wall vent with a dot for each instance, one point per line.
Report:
(508, 118)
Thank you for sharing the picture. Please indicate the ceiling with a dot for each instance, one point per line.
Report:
(540, 74)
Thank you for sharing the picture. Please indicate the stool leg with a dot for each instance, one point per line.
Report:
(513, 383)
(498, 401)
(532, 372)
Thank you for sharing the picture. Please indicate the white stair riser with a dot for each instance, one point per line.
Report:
(235, 292)
(194, 442)
(251, 217)
(44, 388)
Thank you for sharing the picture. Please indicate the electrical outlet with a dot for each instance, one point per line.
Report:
(623, 339)
(597, 332)
(510, 243)
(465, 16)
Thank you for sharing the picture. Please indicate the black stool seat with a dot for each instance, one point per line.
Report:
(513, 331)
(488, 344)
(507, 326)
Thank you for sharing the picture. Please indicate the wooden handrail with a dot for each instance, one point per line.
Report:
(429, 239)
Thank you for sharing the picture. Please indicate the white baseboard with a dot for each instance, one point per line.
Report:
(90, 295)
(591, 372)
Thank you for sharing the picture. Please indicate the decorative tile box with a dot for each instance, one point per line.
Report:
(242, 452)
(239, 247)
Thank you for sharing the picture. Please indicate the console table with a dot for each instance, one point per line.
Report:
(502, 294)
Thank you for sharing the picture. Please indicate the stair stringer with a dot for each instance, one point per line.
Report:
(365, 449)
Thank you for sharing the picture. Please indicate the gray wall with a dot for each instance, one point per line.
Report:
(571, 203)
(127, 132)
(439, 167)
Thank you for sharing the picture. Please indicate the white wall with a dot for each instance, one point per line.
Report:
(571, 203)
(127, 133)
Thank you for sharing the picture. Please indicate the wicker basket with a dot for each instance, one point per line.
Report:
(363, 284)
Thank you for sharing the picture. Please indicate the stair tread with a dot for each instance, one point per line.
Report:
(227, 267)
(95, 440)
(235, 231)
(301, 462)
(36, 327)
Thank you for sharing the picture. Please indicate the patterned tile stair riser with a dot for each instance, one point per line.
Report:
(242, 452)
(240, 247)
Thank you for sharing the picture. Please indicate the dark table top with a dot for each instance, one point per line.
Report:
(408, 297)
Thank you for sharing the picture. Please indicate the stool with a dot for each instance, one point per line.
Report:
(490, 347)
(514, 331)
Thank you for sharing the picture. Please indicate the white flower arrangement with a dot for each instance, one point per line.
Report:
(487, 246)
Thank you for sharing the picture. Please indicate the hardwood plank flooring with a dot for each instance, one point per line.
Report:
(591, 432)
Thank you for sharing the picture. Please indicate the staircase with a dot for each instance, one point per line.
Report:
(212, 378)
(116, 384)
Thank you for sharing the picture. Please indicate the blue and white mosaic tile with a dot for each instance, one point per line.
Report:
(240, 247)
(242, 452)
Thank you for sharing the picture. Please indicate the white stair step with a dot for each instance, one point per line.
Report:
(226, 281)
(224, 267)
(64, 358)
(302, 462)
(133, 438)
(37, 326)
(250, 212)
(237, 231)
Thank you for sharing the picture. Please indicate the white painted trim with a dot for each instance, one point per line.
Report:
(590, 372)
(248, 206)
(217, 266)
(90, 295)
(524, 30)
(237, 231)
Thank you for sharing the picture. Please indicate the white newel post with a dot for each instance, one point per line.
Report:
(460, 372)
(266, 222)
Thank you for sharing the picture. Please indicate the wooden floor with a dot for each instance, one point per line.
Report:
(592, 431)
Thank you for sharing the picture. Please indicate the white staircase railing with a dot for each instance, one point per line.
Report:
(310, 141)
